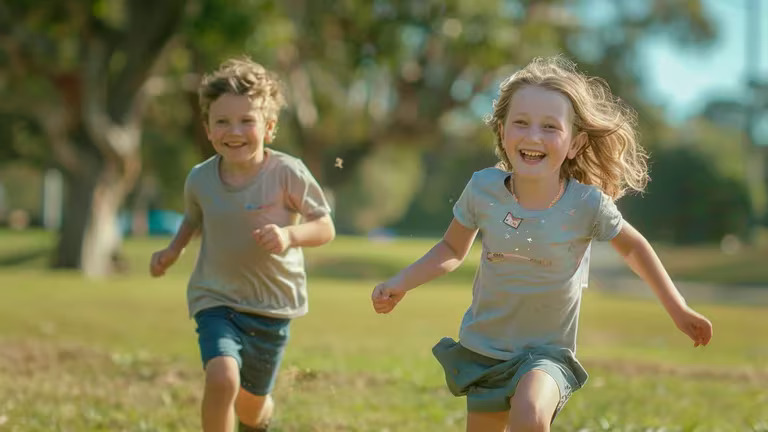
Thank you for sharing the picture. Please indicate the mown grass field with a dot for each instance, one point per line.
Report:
(121, 355)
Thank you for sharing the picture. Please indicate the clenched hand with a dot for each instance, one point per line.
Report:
(272, 238)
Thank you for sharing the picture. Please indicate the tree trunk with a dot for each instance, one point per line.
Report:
(90, 238)
(75, 219)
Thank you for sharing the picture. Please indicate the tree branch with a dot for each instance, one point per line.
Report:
(151, 25)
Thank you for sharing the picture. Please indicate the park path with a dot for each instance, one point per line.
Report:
(609, 273)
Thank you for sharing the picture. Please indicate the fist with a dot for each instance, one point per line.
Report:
(695, 325)
(272, 238)
(385, 297)
(161, 260)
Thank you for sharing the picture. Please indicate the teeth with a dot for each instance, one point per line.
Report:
(531, 153)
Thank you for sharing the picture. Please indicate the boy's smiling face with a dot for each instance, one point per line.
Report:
(237, 128)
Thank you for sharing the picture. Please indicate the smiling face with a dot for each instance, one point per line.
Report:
(538, 133)
(237, 129)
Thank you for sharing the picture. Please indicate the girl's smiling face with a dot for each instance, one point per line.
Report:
(237, 128)
(538, 133)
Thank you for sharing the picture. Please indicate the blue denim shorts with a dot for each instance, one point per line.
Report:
(256, 342)
(489, 383)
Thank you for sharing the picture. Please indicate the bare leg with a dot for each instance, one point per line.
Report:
(222, 381)
(534, 402)
(254, 410)
(487, 421)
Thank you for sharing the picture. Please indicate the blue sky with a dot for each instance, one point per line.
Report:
(682, 80)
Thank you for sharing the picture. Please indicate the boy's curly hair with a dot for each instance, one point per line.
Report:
(612, 158)
(242, 76)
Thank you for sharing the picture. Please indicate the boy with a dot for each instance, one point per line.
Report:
(255, 208)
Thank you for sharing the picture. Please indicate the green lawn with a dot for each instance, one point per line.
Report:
(121, 355)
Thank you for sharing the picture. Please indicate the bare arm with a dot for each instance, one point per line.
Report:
(161, 260)
(642, 259)
(446, 256)
(314, 232)
(183, 236)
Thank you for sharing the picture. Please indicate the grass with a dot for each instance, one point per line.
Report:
(120, 354)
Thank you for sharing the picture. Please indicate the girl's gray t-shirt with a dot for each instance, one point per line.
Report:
(530, 297)
(232, 269)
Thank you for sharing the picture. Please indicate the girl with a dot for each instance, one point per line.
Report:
(567, 150)
(256, 208)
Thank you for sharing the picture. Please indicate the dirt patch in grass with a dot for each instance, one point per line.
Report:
(298, 378)
(633, 368)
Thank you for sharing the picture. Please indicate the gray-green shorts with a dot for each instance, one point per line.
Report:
(489, 383)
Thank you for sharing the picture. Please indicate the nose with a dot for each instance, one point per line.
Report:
(534, 134)
(235, 129)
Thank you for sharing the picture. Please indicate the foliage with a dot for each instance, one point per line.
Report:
(446, 175)
(77, 71)
(363, 80)
(377, 197)
(689, 201)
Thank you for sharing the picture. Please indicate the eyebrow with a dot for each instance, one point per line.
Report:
(546, 118)
(553, 120)
(225, 117)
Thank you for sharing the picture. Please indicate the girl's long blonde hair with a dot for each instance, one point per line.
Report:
(612, 158)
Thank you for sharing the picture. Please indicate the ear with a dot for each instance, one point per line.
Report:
(577, 144)
(501, 131)
(207, 130)
(269, 130)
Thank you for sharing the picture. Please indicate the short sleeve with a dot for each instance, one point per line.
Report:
(192, 210)
(304, 194)
(608, 221)
(464, 209)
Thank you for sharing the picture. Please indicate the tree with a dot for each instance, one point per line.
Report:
(397, 82)
(422, 74)
(79, 70)
(753, 156)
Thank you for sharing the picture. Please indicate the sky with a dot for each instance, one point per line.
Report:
(682, 80)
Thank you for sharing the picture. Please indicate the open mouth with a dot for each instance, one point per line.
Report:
(532, 155)
(235, 145)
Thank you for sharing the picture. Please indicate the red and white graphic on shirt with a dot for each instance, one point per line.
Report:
(512, 221)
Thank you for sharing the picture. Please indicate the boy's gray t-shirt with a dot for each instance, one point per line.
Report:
(232, 269)
(532, 298)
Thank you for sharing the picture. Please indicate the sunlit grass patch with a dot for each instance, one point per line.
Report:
(120, 354)
(49, 386)
(76, 387)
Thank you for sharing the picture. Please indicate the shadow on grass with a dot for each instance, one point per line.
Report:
(26, 257)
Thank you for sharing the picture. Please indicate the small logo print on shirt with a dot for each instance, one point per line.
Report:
(512, 221)
(254, 207)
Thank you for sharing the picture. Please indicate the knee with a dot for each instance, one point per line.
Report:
(526, 416)
(222, 377)
(252, 409)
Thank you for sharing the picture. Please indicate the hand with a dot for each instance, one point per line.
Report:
(386, 296)
(695, 325)
(272, 238)
(161, 260)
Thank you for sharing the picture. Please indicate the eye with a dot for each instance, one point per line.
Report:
(221, 122)
(249, 120)
(551, 127)
(520, 122)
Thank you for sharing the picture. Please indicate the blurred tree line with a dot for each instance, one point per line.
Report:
(104, 91)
